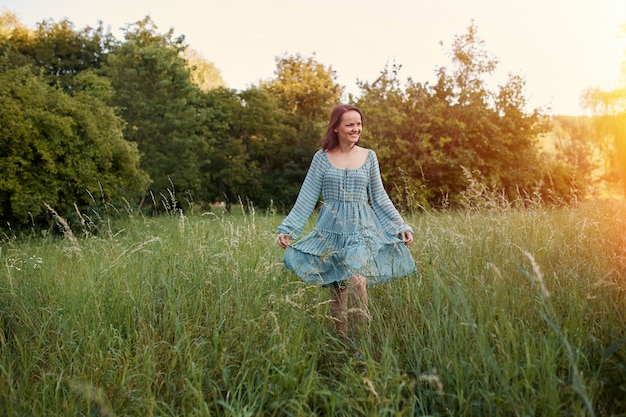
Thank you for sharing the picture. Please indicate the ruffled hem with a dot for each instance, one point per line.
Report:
(349, 240)
(378, 263)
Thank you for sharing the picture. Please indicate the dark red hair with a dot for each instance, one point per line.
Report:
(330, 139)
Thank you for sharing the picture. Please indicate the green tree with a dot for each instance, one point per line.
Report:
(160, 103)
(306, 88)
(515, 160)
(248, 133)
(306, 91)
(264, 126)
(14, 37)
(395, 125)
(487, 132)
(231, 172)
(428, 136)
(56, 50)
(575, 145)
(55, 148)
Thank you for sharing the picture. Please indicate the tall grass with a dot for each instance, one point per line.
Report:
(513, 312)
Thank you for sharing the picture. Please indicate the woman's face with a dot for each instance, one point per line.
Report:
(350, 128)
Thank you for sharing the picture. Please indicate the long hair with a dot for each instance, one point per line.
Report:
(331, 139)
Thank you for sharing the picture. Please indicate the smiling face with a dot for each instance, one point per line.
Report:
(349, 129)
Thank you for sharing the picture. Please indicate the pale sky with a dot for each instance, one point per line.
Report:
(561, 47)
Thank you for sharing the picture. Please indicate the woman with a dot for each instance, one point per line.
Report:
(359, 237)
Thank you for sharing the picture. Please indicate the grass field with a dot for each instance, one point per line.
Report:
(513, 313)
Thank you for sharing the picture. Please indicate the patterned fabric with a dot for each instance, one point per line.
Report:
(357, 231)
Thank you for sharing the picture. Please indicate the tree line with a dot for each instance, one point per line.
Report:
(87, 119)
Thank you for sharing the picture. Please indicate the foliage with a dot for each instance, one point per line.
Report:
(609, 106)
(207, 143)
(203, 73)
(56, 148)
(264, 127)
(56, 50)
(572, 146)
(306, 88)
(9, 23)
(573, 143)
(305, 91)
(159, 102)
(428, 134)
(514, 312)
(233, 172)
(609, 124)
(61, 140)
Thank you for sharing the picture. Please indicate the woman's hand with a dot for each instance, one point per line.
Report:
(407, 237)
(283, 240)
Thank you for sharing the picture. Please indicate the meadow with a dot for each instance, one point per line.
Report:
(513, 313)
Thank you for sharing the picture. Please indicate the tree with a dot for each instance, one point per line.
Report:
(56, 50)
(9, 23)
(395, 125)
(429, 135)
(203, 73)
(55, 148)
(231, 172)
(160, 103)
(264, 126)
(306, 91)
(516, 160)
(249, 133)
(609, 108)
(306, 88)
(488, 132)
(574, 145)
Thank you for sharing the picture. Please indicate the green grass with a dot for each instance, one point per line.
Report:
(512, 313)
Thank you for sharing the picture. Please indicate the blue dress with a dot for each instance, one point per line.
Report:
(357, 230)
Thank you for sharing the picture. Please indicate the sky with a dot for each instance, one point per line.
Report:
(560, 47)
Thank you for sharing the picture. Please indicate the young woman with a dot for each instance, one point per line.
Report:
(359, 237)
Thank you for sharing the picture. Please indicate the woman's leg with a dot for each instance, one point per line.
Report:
(355, 295)
(359, 303)
(339, 308)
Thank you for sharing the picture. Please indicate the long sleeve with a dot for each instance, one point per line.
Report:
(382, 204)
(307, 199)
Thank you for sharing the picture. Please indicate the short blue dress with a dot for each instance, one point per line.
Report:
(357, 230)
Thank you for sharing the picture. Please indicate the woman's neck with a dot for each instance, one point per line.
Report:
(345, 148)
